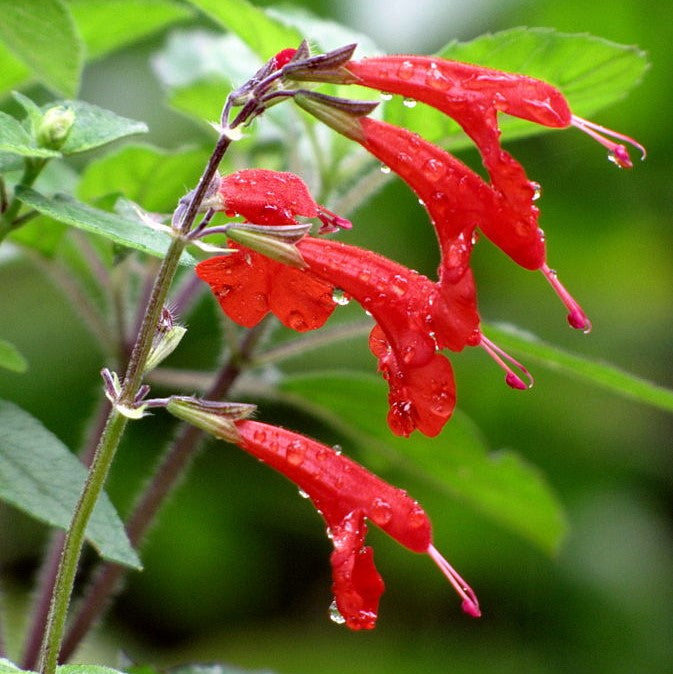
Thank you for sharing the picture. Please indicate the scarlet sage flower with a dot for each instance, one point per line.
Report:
(266, 197)
(414, 319)
(458, 201)
(249, 285)
(346, 495)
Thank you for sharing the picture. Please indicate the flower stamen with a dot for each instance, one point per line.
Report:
(470, 602)
(617, 152)
(501, 357)
(576, 316)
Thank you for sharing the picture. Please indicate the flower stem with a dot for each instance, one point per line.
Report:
(116, 423)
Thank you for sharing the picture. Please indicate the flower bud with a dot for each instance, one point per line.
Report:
(55, 126)
(215, 418)
(272, 242)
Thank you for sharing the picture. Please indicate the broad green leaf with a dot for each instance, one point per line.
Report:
(11, 359)
(86, 669)
(13, 72)
(44, 37)
(146, 175)
(15, 139)
(94, 126)
(590, 71)
(39, 475)
(265, 35)
(498, 484)
(599, 373)
(7, 667)
(109, 24)
(128, 233)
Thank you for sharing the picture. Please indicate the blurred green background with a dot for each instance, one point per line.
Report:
(237, 569)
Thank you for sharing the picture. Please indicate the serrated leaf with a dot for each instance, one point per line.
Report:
(94, 126)
(15, 139)
(39, 475)
(590, 71)
(599, 373)
(499, 484)
(11, 359)
(265, 35)
(43, 36)
(109, 24)
(128, 233)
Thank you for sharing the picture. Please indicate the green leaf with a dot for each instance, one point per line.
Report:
(128, 233)
(86, 669)
(15, 139)
(94, 126)
(11, 359)
(590, 71)
(146, 175)
(109, 24)
(599, 373)
(216, 669)
(263, 34)
(43, 36)
(498, 484)
(39, 475)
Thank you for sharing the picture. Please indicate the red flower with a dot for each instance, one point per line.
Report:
(249, 285)
(265, 197)
(414, 318)
(346, 494)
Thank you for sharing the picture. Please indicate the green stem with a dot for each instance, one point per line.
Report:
(74, 540)
(115, 426)
(9, 220)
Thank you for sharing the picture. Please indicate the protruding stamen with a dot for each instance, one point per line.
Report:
(470, 602)
(331, 222)
(618, 152)
(501, 357)
(576, 317)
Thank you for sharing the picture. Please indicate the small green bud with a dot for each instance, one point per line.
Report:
(55, 126)
(214, 418)
(274, 242)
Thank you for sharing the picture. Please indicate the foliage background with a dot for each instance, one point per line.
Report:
(237, 570)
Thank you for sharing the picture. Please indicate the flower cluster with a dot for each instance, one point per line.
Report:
(274, 266)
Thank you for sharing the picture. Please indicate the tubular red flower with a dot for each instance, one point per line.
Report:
(414, 317)
(345, 493)
(248, 286)
(266, 197)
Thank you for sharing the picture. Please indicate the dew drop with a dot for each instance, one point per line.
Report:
(406, 70)
(296, 321)
(537, 190)
(385, 169)
(408, 354)
(404, 158)
(433, 169)
(340, 297)
(296, 451)
(259, 436)
(303, 494)
(417, 517)
(381, 512)
(435, 79)
(335, 615)
(337, 449)
(385, 96)
(409, 103)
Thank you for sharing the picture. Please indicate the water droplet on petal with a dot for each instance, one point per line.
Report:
(385, 96)
(406, 70)
(296, 321)
(385, 169)
(296, 452)
(417, 517)
(537, 190)
(259, 436)
(381, 512)
(340, 297)
(337, 449)
(334, 614)
(303, 494)
(433, 169)
(409, 103)
(435, 79)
